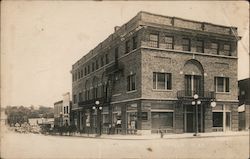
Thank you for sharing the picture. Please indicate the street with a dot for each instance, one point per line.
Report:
(19, 146)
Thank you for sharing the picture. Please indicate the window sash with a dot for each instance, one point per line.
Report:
(131, 83)
(186, 45)
(200, 46)
(227, 49)
(169, 40)
(162, 81)
(127, 46)
(215, 48)
(222, 84)
(134, 42)
(106, 58)
(154, 40)
(102, 62)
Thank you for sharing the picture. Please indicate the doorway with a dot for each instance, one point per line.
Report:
(190, 121)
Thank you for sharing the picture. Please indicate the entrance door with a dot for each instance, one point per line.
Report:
(189, 118)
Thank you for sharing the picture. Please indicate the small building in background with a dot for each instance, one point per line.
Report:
(244, 104)
(62, 111)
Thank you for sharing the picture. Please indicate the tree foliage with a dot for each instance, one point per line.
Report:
(21, 114)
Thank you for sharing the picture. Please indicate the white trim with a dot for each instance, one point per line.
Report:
(131, 91)
(162, 110)
(162, 90)
(118, 94)
(222, 100)
(131, 111)
(128, 100)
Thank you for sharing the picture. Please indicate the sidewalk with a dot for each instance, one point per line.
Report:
(166, 136)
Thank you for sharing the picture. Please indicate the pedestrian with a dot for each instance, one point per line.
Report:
(162, 133)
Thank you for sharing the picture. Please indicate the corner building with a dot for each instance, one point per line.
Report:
(145, 74)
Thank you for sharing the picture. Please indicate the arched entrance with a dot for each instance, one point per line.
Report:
(193, 84)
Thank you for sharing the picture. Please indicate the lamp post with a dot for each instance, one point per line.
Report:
(99, 109)
(195, 103)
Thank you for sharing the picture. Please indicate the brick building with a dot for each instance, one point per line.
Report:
(143, 77)
(62, 111)
(244, 104)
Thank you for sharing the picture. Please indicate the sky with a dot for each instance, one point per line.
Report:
(40, 40)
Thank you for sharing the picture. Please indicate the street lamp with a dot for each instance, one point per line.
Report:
(195, 103)
(99, 109)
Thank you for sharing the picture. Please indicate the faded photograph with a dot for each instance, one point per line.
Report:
(125, 80)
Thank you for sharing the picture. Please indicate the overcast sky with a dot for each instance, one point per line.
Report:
(41, 40)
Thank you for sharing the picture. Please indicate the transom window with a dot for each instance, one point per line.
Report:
(169, 40)
(162, 81)
(200, 46)
(186, 44)
(221, 84)
(131, 82)
(154, 40)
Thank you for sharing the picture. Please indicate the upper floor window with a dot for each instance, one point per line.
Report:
(64, 110)
(87, 94)
(106, 58)
(135, 42)
(162, 80)
(169, 40)
(221, 84)
(186, 44)
(81, 73)
(88, 69)
(74, 99)
(131, 82)
(93, 66)
(200, 46)
(85, 71)
(116, 53)
(73, 77)
(154, 40)
(102, 61)
(127, 46)
(214, 48)
(80, 96)
(95, 92)
(96, 64)
(227, 49)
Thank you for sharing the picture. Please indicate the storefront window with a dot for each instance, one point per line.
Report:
(132, 120)
(217, 119)
(162, 120)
